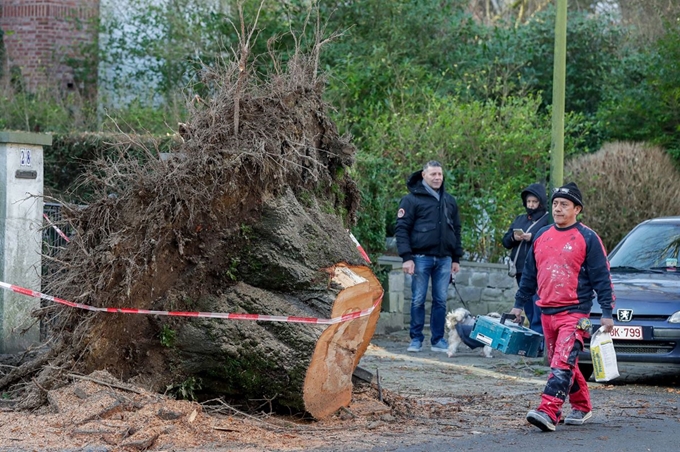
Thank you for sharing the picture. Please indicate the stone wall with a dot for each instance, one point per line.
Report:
(483, 287)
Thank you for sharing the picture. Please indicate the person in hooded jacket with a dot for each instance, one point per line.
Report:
(429, 243)
(534, 199)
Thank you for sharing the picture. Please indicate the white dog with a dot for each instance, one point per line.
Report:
(463, 317)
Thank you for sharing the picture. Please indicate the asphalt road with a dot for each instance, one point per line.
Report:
(604, 436)
(627, 429)
(636, 415)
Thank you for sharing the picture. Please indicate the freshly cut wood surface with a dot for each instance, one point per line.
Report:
(328, 384)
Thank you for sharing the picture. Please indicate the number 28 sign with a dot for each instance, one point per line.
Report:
(25, 157)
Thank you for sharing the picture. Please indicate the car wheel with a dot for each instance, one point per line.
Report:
(586, 369)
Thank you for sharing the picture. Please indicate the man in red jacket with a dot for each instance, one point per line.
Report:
(567, 264)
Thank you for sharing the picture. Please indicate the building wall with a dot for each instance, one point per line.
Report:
(41, 36)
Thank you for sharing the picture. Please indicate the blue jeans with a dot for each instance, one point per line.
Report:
(439, 269)
(532, 311)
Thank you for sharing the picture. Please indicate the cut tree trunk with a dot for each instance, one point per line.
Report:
(300, 366)
(328, 381)
(302, 263)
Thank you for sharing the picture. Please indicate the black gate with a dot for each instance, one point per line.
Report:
(52, 224)
(55, 235)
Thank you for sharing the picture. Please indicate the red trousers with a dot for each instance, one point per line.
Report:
(563, 342)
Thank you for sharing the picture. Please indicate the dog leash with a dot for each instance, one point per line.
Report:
(452, 281)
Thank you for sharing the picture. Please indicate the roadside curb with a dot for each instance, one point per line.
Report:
(380, 352)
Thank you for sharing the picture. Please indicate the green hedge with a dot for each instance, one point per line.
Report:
(489, 152)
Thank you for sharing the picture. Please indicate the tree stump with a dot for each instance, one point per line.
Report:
(249, 215)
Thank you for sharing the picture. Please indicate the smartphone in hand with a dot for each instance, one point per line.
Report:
(518, 231)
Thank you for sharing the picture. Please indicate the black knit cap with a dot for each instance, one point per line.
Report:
(569, 191)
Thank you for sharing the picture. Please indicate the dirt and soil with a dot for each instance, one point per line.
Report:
(419, 394)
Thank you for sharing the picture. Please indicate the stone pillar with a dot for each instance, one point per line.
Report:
(21, 209)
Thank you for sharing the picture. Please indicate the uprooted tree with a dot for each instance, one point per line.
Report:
(250, 215)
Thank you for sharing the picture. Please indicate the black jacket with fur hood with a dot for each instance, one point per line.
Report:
(426, 225)
(524, 221)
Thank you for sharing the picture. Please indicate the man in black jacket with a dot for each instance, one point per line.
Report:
(428, 241)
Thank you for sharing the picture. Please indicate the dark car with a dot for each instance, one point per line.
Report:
(644, 268)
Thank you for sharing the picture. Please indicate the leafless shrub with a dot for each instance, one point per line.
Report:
(624, 184)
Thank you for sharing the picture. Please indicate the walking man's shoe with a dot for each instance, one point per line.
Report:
(577, 417)
(541, 420)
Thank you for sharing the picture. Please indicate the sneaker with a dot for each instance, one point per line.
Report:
(577, 417)
(441, 346)
(541, 420)
(415, 346)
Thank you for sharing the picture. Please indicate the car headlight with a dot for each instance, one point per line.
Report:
(675, 318)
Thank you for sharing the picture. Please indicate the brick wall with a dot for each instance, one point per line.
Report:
(42, 35)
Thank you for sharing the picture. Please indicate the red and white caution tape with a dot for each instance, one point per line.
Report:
(212, 315)
(360, 248)
(59, 231)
